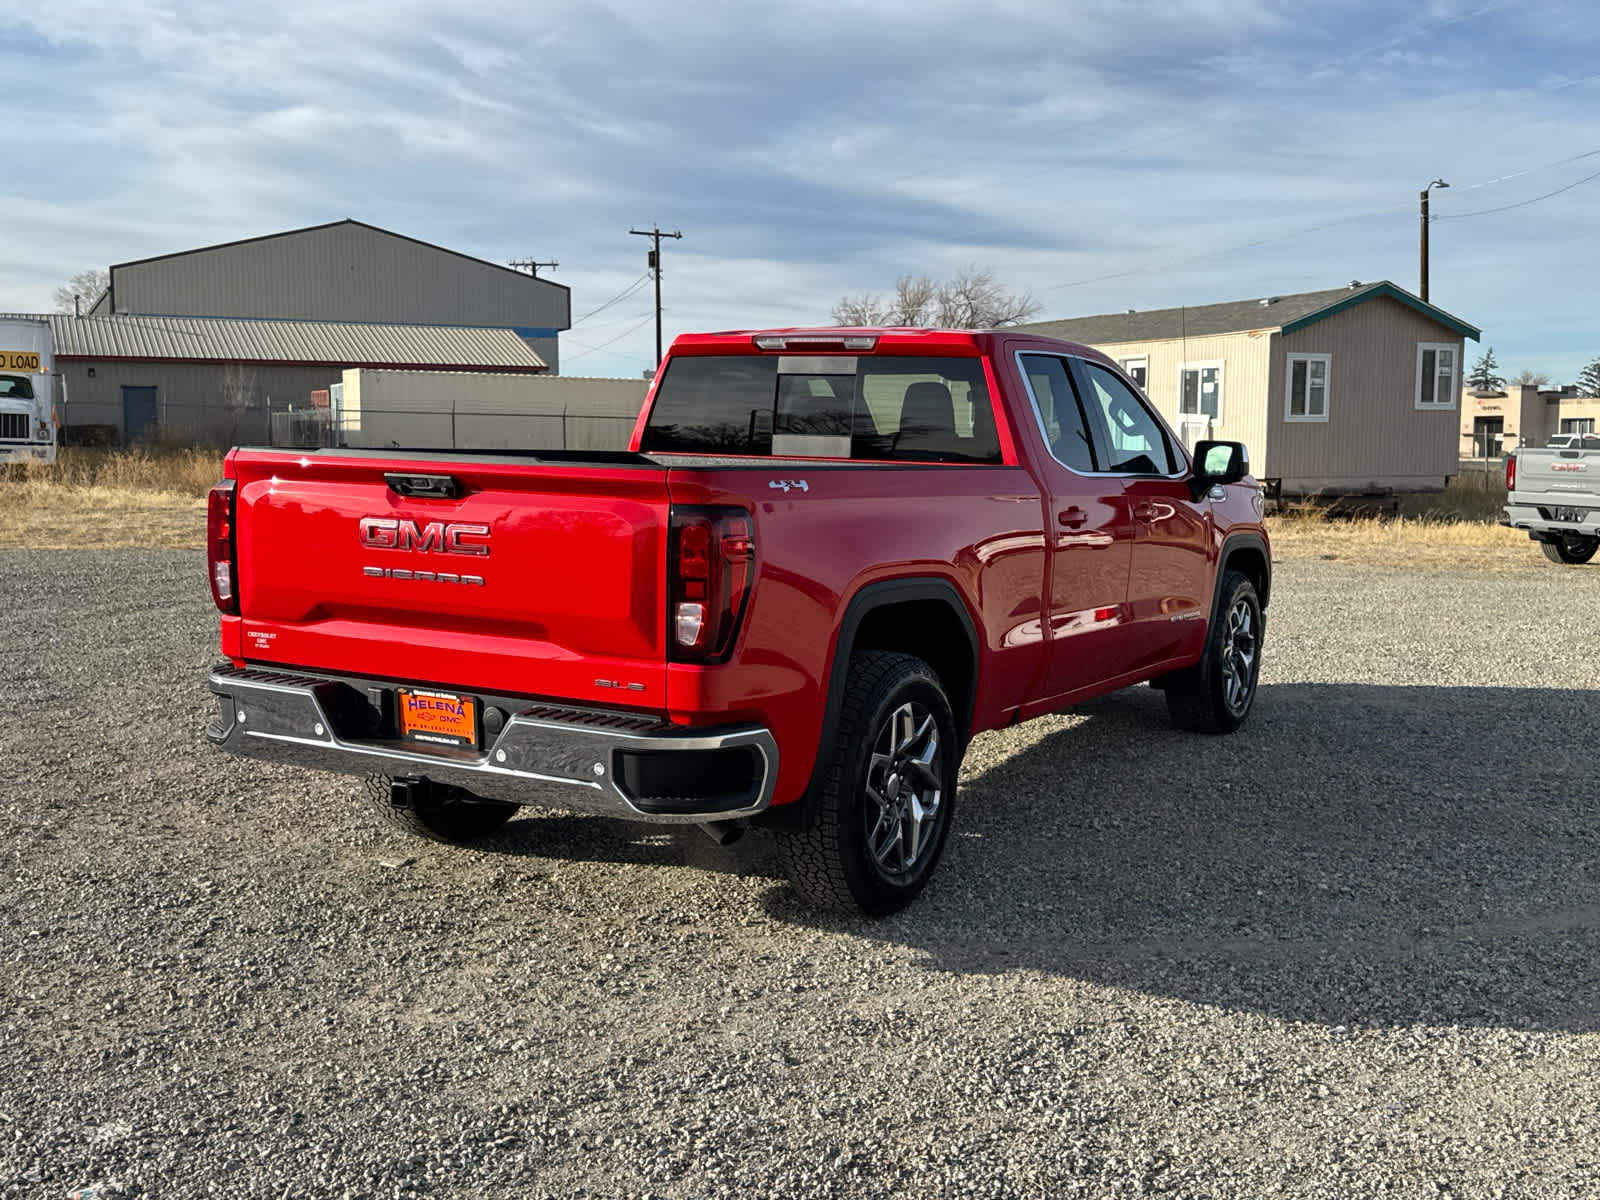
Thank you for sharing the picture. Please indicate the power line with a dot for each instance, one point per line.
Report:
(1560, 162)
(1194, 258)
(622, 295)
(591, 349)
(1483, 212)
(1321, 225)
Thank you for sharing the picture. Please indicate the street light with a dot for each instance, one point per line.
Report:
(1437, 183)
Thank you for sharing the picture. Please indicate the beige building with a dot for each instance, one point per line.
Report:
(1354, 389)
(500, 411)
(1522, 415)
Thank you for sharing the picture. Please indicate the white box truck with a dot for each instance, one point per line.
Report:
(27, 391)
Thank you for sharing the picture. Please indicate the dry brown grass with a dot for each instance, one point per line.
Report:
(103, 499)
(95, 499)
(1455, 527)
(178, 472)
(1403, 542)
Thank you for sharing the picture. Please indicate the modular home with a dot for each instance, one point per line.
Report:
(1349, 390)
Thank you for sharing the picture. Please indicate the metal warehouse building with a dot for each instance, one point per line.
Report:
(346, 271)
(230, 342)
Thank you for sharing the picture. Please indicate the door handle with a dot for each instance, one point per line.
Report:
(1072, 517)
(1144, 511)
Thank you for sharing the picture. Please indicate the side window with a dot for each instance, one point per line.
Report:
(1132, 439)
(1060, 416)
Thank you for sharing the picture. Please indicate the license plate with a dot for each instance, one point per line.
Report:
(1575, 515)
(442, 718)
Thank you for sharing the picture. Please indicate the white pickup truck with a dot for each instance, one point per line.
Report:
(27, 391)
(1554, 494)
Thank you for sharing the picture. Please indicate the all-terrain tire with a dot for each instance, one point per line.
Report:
(1216, 694)
(887, 791)
(1571, 551)
(450, 815)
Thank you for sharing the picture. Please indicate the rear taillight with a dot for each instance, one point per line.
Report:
(713, 558)
(221, 553)
(1511, 472)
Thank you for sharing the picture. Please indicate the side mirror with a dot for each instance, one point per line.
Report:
(1217, 463)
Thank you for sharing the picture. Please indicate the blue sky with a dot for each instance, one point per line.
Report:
(1101, 155)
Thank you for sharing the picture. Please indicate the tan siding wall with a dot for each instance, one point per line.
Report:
(1571, 406)
(1530, 419)
(1244, 382)
(1374, 435)
(1527, 419)
(342, 273)
(489, 412)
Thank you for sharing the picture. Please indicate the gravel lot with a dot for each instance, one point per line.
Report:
(1351, 950)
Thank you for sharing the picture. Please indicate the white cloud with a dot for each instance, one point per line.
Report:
(1186, 150)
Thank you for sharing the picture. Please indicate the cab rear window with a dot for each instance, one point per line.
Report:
(886, 409)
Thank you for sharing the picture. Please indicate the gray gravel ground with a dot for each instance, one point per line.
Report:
(1349, 951)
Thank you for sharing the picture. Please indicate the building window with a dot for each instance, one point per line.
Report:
(1200, 390)
(1305, 387)
(1436, 374)
(1138, 369)
(1577, 424)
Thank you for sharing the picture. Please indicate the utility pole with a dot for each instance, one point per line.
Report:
(1439, 183)
(654, 263)
(531, 266)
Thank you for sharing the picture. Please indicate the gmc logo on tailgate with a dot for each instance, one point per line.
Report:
(436, 537)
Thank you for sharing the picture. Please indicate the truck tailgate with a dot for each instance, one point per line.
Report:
(523, 577)
(1558, 476)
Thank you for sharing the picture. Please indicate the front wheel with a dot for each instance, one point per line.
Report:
(1571, 550)
(1215, 695)
(888, 791)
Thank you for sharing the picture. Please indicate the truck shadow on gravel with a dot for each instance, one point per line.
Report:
(1356, 856)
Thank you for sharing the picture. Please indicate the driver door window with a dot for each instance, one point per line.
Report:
(1169, 574)
(1129, 438)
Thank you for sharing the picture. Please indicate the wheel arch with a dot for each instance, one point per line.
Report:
(1246, 553)
(925, 616)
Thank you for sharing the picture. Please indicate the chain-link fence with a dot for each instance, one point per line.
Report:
(565, 428)
(157, 419)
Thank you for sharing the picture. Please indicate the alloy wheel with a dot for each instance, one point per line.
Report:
(1239, 647)
(904, 789)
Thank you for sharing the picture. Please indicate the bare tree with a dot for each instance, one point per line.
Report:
(970, 299)
(1527, 378)
(84, 287)
(912, 304)
(974, 299)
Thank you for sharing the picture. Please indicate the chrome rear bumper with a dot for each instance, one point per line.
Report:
(618, 764)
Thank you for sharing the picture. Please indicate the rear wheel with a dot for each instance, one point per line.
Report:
(437, 812)
(888, 791)
(1215, 695)
(1571, 550)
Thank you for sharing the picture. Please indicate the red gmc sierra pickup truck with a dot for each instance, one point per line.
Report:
(828, 559)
